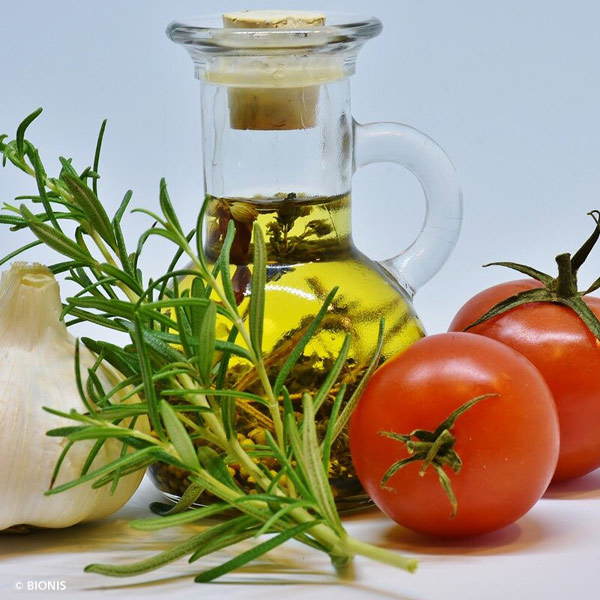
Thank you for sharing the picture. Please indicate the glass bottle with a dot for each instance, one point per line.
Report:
(280, 147)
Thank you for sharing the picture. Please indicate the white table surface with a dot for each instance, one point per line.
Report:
(551, 553)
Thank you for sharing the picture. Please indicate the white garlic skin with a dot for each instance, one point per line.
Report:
(37, 368)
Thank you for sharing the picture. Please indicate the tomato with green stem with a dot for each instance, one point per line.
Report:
(557, 328)
(456, 436)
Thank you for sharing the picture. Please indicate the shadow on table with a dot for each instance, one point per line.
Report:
(528, 533)
(78, 538)
(113, 535)
(266, 573)
(110, 533)
(587, 486)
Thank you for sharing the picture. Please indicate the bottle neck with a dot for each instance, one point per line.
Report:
(310, 155)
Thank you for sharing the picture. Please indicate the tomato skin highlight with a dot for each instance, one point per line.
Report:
(567, 355)
(508, 444)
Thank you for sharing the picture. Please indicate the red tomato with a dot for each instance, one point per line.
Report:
(565, 352)
(508, 443)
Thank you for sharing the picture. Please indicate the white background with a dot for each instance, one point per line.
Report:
(510, 90)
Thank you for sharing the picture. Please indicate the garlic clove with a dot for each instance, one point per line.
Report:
(37, 368)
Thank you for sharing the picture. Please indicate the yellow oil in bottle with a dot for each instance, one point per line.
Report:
(309, 251)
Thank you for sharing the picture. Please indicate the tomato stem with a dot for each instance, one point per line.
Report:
(435, 448)
(561, 289)
(566, 282)
(581, 255)
(444, 438)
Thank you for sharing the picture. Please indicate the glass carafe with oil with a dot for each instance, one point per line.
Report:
(280, 147)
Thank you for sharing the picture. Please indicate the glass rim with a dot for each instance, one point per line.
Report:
(207, 33)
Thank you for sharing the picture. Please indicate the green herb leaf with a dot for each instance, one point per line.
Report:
(215, 465)
(344, 418)
(121, 276)
(97, 155)
(27, 121)
(139, 457)
(191, 494)
(223, 266)
(167, 208)
(328, 439)
(314, 465)
(333, 374)
(18, 251)
(143, 566)
(250, 555)
(206, 343)
(40, 179)
(257, 293)
(299, 349)
(139, 338)
(94, 212)
(55, 239)
(223, 541)
(181, 518)
(179, 437)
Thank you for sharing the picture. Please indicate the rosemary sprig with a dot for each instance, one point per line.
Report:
(176, 364)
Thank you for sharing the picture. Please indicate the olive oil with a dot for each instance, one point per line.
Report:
(309, 251)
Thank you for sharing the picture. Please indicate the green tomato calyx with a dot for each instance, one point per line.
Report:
(434, 448)
(561, 289)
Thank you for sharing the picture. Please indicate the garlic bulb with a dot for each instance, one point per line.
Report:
(37, 368)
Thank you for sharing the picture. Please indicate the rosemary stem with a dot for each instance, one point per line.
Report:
(382, 555)
(259, 364)
(131, 295)
(202, 431)
(215, 426)
(140, 435)
(242, 456)
(257, 360)
(103, 249)
(27, 169)
(200, 400)
(322, 532)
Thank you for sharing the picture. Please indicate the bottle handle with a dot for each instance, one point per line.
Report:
(406, 146)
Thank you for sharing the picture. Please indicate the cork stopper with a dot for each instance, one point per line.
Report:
(274, 92)
(273, 19)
